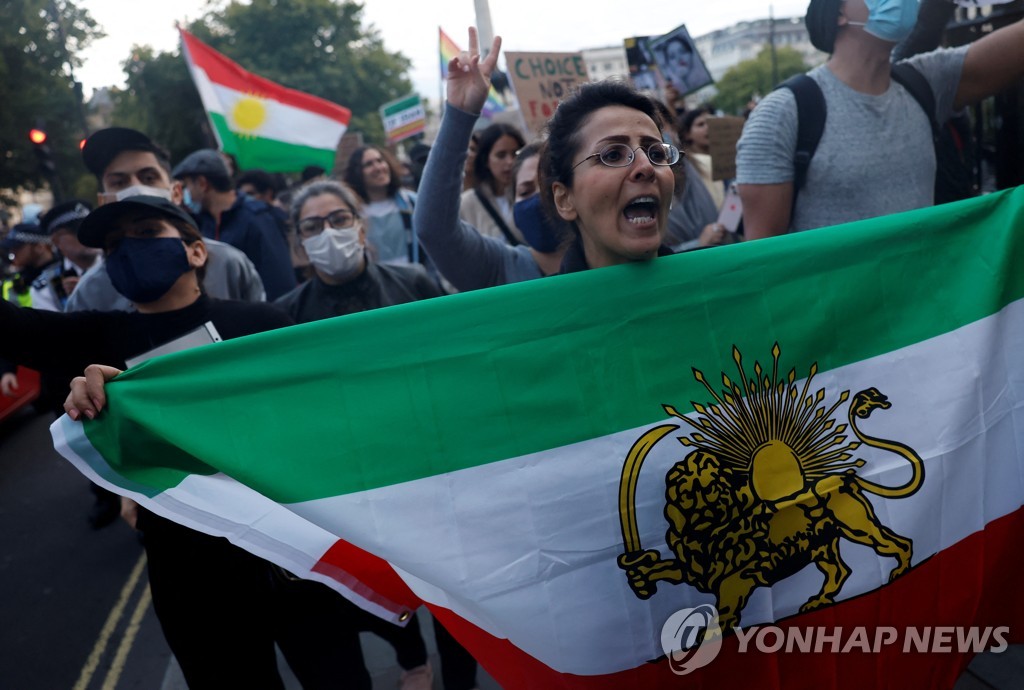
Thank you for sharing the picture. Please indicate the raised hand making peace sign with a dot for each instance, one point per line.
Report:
(469, 76)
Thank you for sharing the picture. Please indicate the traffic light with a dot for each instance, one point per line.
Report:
(44, 154)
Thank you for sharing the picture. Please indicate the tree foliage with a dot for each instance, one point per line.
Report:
(317, 46)
(754, 78)
(39, 47)
(161, 101)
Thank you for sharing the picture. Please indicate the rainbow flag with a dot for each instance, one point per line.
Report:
(448, 50)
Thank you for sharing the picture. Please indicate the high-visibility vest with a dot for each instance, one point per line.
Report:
(22, 299)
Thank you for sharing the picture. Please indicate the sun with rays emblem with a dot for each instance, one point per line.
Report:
(769, 486)
(248, 115)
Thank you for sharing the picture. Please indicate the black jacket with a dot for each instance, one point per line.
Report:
(380, 285)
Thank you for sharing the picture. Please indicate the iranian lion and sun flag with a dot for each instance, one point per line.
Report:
(797, 431)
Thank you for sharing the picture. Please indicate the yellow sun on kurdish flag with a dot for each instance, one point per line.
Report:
(248, 115)
(263, 124)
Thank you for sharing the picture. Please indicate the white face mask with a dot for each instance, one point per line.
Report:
(136, 190)
(336, 253)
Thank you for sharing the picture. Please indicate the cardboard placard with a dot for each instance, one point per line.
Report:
(541, 81)
(723, 133)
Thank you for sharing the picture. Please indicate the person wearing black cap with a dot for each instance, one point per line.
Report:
(122, 159)
(211, 597)
(876, 155)
(245, 223)
(61, 224)
(127, 163)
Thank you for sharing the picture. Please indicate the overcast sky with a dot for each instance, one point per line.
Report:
(410, 27)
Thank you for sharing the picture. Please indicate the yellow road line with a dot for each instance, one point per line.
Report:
(108, 628)
(117, 666)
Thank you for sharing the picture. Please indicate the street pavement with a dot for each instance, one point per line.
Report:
(75, 602)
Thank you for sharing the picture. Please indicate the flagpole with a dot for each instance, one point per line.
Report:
(440, 89)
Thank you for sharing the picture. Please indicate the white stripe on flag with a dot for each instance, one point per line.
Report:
(221, 506)
(281, 122)
(530, 542)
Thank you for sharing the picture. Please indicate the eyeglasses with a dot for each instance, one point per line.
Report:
(622, 155)
(314, 225)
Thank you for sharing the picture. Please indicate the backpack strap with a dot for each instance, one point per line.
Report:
(911, 79)
(810, 117)
(810, 125)
(406, 205)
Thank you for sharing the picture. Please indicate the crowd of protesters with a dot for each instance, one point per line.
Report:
(618, 178)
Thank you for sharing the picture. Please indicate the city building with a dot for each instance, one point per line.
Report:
(726, 48)
(606, 63)
(721, 50)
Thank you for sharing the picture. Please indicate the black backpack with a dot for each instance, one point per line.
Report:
(954, 178)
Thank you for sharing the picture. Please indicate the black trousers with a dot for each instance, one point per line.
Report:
(210, 598)
(222, 610)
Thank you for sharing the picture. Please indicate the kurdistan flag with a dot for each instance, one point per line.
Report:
(818, 431)
(263, 124)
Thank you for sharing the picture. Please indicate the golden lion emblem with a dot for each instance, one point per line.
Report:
(771, 486)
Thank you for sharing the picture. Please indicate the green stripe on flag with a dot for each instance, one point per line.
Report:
(396, 394)
(269, 154)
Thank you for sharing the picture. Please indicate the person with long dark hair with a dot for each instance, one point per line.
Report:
(488, 205)
(604, 171)
(373, 173)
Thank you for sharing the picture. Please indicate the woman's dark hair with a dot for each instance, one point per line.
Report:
(354, 171)
(190, 235)
(317, 188)
(563, 142)
(261, 180)
(488, 138)
(671, 122)
(689, 118)
(524, 154)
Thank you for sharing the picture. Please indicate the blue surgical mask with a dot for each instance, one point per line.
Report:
(531, 221)
(890, 20)
(194, 206)
(143, 269)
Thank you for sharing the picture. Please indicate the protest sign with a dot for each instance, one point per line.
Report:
(679, 62)
(403, 118)
(723, 133)
(541, 81)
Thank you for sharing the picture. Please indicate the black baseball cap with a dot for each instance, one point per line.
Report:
(822, 21)
(103, 146)
(95, 228)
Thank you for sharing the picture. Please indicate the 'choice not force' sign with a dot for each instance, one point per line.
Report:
(542, 80)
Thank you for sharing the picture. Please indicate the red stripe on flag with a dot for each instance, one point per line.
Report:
(975, 582)
(367, 575)
(227, 73)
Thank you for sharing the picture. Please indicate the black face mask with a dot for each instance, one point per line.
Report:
(143, 269)
(531, 221)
